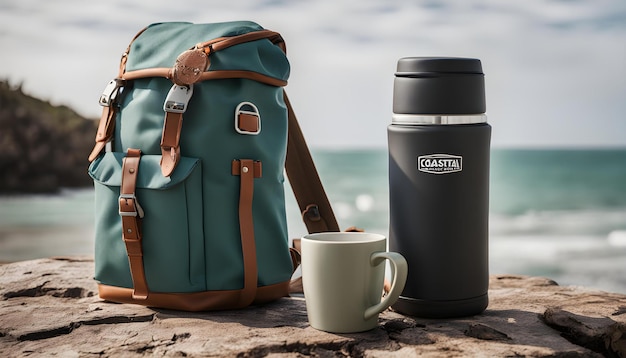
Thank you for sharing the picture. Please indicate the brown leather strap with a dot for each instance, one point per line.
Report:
(296, 257)
(210, 47)
(206, 76)
(131, 214)
(170, 142)
(125, 54)
(216, 44)
(221, 43)
(247, 170)
(105, 131)
(108, 100)
(317, 213)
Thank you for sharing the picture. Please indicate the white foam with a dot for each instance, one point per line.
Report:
(565, 223)
(364, 202)
(617, 238)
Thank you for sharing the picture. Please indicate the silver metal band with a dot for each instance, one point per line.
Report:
(416, 119)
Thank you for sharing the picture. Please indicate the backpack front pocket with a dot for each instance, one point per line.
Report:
(172, 225)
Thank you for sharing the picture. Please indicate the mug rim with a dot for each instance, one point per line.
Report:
(344, 237)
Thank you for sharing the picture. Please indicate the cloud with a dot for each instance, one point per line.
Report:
(549, 64)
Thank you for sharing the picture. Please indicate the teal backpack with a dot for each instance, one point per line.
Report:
(195, 135)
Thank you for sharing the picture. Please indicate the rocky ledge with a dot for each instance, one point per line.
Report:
(50, 307)
(44, 147)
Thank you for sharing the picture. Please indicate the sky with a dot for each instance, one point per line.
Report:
(555, 70)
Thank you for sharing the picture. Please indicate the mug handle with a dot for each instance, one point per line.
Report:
(400, 269)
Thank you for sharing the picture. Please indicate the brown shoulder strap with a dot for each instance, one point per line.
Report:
(317, 213)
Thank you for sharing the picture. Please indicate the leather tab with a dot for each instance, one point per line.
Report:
(170, 142)
(256, 166)
(247, 119)
(248, 123)
(246, 169)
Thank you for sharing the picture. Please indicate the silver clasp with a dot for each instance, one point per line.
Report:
(138, 209)
(177, 99)
(110, 92)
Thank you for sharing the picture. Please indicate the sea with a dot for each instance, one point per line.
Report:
(559, 214)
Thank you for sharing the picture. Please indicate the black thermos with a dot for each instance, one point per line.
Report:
(439, 143)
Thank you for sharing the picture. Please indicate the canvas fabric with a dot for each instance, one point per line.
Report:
(192, 194)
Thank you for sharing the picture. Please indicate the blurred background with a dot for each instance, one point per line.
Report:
(556, 89)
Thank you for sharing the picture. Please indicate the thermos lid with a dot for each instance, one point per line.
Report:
(439, 86)
(416, 66)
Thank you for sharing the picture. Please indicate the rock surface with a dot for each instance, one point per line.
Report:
(50, 307)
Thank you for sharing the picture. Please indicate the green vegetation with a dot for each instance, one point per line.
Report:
(43, 148)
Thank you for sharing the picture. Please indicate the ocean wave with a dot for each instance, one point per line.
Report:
(596, 222)
(587, 260)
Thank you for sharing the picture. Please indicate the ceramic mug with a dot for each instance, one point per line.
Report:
(342, 277)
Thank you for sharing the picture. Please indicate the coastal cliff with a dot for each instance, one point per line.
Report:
(50, 307)
(44, 147)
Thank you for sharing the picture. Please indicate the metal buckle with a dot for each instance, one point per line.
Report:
(138, 209)
(312, 211)
(254, 112)
(177, 99)
(110, 92)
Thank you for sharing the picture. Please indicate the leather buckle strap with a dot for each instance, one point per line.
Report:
(247, 169)
(104, 133)
(108, 101)
(131, 214)
(175, 105)
(170, 142)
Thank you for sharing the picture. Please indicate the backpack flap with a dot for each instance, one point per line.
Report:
(232, 46)
(173, 244)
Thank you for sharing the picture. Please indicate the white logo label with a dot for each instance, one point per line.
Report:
(439, 163)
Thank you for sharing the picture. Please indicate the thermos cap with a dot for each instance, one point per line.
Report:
(439, 86)
(423, 66)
